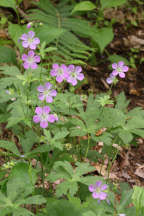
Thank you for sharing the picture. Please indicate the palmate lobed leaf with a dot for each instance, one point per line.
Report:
(71, 177)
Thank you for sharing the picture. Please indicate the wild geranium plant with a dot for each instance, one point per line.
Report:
(57, 133)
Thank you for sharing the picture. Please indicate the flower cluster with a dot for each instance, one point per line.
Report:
(98, 190)
(30, 42)
(46, 92)
(118, 69)
(69, 73)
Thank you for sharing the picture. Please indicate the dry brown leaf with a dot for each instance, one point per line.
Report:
(140, 171)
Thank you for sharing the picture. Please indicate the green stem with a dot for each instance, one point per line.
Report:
(87, 146)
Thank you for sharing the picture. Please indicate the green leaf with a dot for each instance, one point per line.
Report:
(15, 31)
(28, 140)
(8, 3)
(84, 6)
(62, 208)
(10, 70)
(116, 58)
(22, 212)
(111, 3)
(122, 102)
(102, 37)
(10, 146)
(48, 33)
(138, 197)
(37, 200)
(126, 136)
(21, 181)
(7, 55)
(111, 118)
(64, 170)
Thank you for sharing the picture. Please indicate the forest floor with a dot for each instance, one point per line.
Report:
(128, 42)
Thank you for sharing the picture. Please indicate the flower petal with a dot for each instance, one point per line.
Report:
(48, 85)
(91, 188)
(36, 40)
(53, 93)
(46, 109)
(125, 68)
(51, 118)
(24, 57)
(24, 37)
(36, 118)
(49, 99)
(39, 110)
(40, 88)
(102, 195)
(37, 58)
(25, 44)
(31, 34)
(114, 66)
(78, 69)
(104, 187)
(26, 65)
(41, 96)
(95, 195)
(80, 76)
(33, 65)
(31, 53)
(122, 75)
(43, 124)
(120, 63)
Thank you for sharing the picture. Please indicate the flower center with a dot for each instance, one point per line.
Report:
(73, 74)
(46, 92)
(44, 116)
(30, 59)
(119, 69)
(60, 71)
(30, 40)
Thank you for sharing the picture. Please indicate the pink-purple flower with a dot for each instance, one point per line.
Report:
(29, 41)
(98, 190)
(60, 72)
(29, 25)
(30, 60)
(43, 116)
(74, 74)
(110, 79)
(119, 69)
(46, 92)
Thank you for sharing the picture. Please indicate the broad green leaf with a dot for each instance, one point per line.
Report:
(10, 146)
(7, 55)
(37, 200)
(126, 136)
(84, 6)
(9, 3)
(15, 31)
(62, 208)
(122, 102)
(135, 123)
(111, 3)
(21, 181)
(28, 140)
(102, 37)
(111, 118)
(116, 58)
(138, 197)
(22, 212)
